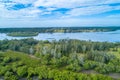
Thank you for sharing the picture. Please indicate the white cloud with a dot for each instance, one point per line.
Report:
(63, 3)
(24, 1)
(72, 3)
(34, 11)
(91, 10)
(78, 7)
(17, 1)
(23, 13)
(111, 1)
(114, 16)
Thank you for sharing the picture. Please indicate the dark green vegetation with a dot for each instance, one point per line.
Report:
(22, 34)
(59, 29)
(58, 60)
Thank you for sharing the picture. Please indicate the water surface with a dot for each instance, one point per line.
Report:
(113, 36)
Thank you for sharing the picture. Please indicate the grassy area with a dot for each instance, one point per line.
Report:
(24, 58)
(116, 53)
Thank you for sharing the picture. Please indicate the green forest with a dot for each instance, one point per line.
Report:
(66, 59)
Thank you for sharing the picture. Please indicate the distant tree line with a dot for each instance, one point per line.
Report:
(59, 29)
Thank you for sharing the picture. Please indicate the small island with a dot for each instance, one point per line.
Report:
(22, 34)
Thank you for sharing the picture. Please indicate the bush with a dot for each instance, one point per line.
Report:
(22, 71)
(7, 59)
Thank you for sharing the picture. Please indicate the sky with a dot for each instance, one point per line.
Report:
(59, 13)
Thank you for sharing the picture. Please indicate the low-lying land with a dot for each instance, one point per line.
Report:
(22, 34)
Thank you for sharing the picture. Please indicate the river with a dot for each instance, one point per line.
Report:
(112, 36)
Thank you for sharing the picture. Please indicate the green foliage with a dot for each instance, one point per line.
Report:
(22, 34)
(18, 45)
(31, 72)
(90, 65)
(58, 60)
(103, 57)
(22, 71)
(103, 68)
(19, 69)
(74, 67)
(7, 59)
(23, 58)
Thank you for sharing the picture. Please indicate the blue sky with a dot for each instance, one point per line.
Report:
(57, 13)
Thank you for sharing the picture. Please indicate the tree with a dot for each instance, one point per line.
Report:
(31, 51)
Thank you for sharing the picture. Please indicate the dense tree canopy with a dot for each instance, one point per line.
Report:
(58, 60)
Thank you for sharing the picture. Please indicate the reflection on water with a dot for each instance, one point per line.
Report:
(113, 36)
